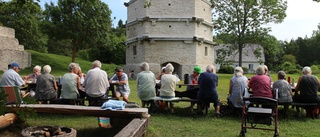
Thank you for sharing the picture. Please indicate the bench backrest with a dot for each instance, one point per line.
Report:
(13, 93)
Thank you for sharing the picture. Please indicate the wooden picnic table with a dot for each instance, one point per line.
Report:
(134, 120)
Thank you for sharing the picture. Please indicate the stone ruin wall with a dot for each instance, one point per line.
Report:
(11, 51)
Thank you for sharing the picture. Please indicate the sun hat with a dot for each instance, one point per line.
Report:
(197, 69)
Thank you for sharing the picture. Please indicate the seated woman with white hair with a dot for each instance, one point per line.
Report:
(307, 88)
(238, 85)
(168, 84)
(46, 86)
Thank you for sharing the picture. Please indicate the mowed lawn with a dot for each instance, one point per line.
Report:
(180, 124)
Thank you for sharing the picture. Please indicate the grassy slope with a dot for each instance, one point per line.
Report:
(180, 124)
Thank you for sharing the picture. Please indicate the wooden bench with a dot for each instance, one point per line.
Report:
(308, 106)
(134, 120)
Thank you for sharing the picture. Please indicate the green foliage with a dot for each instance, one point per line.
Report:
(294, 71)
(286, 66)
(246, 19)
(24, 16)
(85, 23)
(315, 69)
(289, 58)
(245, 69)
(226, 69)
(115, 54)
(222, 56)
(3, 110)
(25, 113)
(83, 54)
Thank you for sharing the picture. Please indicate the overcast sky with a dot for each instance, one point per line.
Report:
(302, 19)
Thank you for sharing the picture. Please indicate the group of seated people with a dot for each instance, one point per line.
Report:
(205, 92)
(74, 84)
(94, 85)
(261, 86)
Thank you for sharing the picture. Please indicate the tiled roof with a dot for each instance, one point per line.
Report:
(247, 53)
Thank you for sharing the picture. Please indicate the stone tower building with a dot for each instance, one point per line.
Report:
(169, 31)
(11, 51)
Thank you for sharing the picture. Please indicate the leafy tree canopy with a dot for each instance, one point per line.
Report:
(245, 19)
(24, 16)
(85, 24)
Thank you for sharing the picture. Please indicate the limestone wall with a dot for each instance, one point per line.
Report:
(169, 31)
(11, 51)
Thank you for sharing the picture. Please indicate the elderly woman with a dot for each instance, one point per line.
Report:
(46, 86)
(308, 85)
(208, 81)
(146, 83)
(284, 90)
(238, 85)
(260, 84)
(168, 84)
(70, 83)
(32, 77)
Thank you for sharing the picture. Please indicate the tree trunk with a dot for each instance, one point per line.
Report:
(7, 119)
(240, 54)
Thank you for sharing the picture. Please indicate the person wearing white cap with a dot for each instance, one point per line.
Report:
(11, 76)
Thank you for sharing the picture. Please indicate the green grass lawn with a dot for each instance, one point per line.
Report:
(180, 124)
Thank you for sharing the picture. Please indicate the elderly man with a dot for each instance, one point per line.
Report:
(11, 76)
(208, 81)
(96, 83)
(122, 84)
(146, 83)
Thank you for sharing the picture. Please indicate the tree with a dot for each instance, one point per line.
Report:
(116, 53)
(24, 16)
(244, 18)
(85, 24)
(289, 58)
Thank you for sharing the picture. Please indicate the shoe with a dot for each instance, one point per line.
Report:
(218, 115)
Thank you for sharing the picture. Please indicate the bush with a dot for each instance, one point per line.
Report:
(245, 69)
(83, 54)
(294, 71)
(226, 69)
(315, 69)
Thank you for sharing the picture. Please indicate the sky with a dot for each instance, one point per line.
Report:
(303, 17)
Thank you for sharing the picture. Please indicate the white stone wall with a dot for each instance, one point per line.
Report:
(136, 10)
(165, 33)
(7, 32)
(11, 51)
(202, 10)
(171, 8)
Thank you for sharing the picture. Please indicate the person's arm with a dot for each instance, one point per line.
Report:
(55, 87)
(124, 80)
(230, 87)
(78, 83)
(297, 88)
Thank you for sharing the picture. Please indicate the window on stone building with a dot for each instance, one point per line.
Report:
(205, 51)
(250, 66)
(134, 50)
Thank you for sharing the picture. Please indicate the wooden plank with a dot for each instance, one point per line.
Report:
(84, 110)
(136, 128)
